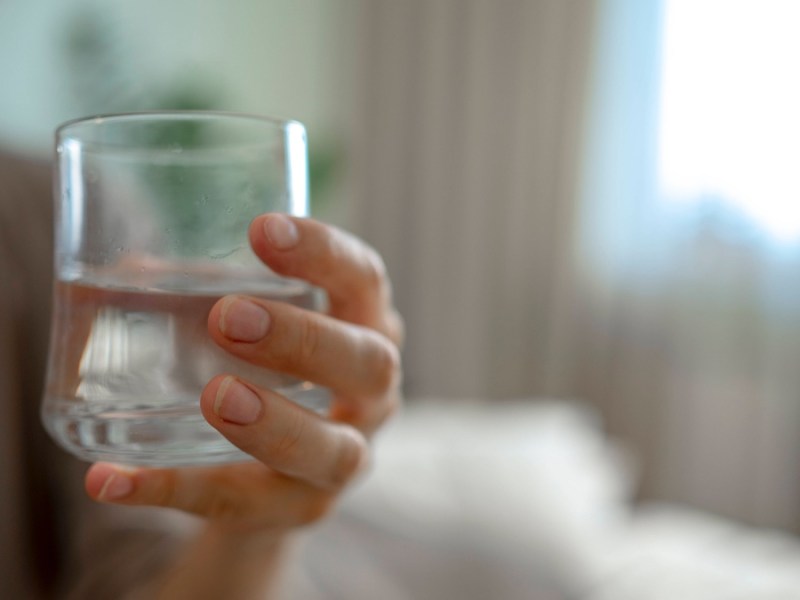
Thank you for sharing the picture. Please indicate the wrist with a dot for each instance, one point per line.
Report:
(228, 561)
(240, 543)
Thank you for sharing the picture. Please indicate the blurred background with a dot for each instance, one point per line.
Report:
(577, 200)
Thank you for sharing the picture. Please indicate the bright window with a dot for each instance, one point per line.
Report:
(729, 130)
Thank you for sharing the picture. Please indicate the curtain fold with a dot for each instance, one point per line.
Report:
(465, 160)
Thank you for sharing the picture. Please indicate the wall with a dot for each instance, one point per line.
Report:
(280, 57)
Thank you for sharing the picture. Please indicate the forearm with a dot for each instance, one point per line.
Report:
(225, 563)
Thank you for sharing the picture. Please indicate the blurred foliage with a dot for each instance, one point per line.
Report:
(326, 160)
(103, 76)
(206, 208)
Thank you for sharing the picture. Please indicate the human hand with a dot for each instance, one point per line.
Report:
(303, 460)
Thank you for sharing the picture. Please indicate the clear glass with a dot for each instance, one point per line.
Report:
(152, 212)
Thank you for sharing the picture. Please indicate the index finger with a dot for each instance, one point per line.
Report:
(350, 271)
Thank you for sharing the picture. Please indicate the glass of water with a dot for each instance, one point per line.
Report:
(152, 213)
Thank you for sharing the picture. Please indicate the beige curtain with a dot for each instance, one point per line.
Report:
(468, 121)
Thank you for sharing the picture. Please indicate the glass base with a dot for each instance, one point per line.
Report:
(172, 435)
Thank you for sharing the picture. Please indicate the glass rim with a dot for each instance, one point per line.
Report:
(61, 130)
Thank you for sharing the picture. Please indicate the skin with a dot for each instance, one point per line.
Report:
(303, 461)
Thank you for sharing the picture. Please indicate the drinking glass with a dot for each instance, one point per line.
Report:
(152, 213)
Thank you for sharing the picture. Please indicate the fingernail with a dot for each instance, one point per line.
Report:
(117, 486)
(281, 232)
(236, 403)
(242, 320)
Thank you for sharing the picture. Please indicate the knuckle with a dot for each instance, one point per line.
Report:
(330, 249)
(396, 328)
(315, 509)
(309, 342)
(351, 459)
(285, 445)
(374, 268)
(386, 367)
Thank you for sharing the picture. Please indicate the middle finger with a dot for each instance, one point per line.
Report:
(349, 359)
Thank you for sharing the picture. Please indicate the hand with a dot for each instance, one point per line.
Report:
(303, 460)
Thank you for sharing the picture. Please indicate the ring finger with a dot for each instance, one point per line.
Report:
(283, 435)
